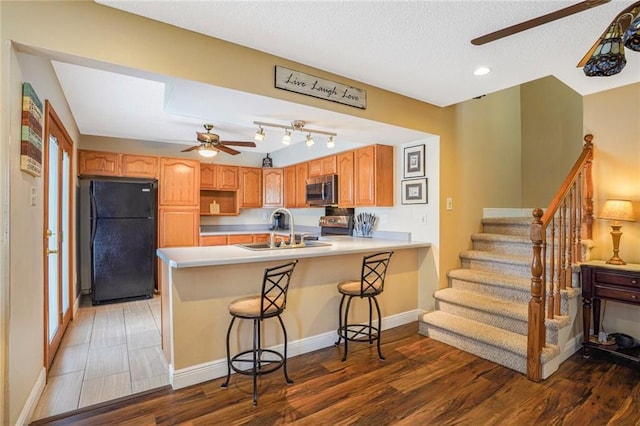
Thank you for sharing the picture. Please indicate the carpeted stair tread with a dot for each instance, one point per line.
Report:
(495, 257)
(524, 221)
(480, 302)
(491, 278)
(515, 239)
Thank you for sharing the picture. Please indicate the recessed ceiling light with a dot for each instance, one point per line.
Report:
(482, 71)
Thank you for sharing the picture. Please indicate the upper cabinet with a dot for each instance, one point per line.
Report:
(373, 171)
(98, 163)
(323, 166)
(219, 176)
(250, 187)
(273, 187)
(302, 173)
(295, 179)
(179, 182)
(143, 166)
(345, 179)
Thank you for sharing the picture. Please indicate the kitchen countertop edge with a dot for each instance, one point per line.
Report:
(190, 257)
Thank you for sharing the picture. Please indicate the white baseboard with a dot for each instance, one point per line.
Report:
(218, 368)
(32, 401)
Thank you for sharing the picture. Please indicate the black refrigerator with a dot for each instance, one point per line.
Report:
(121, 238)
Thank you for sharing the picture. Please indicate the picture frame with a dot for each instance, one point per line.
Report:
(414, 162)
(414, 191)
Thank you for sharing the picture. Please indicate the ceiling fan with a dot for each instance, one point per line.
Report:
(624, 18)
(210, 144)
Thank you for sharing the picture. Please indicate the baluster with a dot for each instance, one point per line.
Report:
(553, 276)
(536, 334)
(588, 202)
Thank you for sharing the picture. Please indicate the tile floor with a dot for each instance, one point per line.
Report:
(108, 351)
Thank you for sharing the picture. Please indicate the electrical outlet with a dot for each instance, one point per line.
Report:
(384, 219)
(264, 216)
(423, 219)
(449, 203)
(33, 195)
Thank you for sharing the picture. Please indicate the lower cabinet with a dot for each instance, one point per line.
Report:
(178, 227)
(213, 240)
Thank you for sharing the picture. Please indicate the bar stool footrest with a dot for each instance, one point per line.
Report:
(265, 366)
(358, 333)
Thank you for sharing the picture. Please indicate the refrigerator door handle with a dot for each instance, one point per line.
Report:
(94, 219)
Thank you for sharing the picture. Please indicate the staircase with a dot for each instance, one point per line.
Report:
(485, 308)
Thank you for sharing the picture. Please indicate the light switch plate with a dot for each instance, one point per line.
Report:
(449, 203)
(33, 195)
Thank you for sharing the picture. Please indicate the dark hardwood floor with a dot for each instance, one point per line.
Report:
(421, 382)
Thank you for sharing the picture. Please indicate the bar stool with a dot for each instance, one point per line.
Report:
(370, 284)
(270, 303)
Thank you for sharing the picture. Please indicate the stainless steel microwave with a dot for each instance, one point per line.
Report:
(322, 190)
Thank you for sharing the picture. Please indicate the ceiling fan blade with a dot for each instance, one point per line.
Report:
(191, 148)
(624, 24)
(540, 20)
(239, 143)
(227, 149)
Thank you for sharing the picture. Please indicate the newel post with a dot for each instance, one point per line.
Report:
(536, 330)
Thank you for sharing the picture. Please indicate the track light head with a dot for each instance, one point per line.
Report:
(286, 139)
(310, 140)
(259, 134)
(331, 143)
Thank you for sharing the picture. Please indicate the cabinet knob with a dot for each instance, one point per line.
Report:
(634, 281)
(633, 296)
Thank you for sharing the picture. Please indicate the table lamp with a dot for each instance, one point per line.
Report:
(617, 210)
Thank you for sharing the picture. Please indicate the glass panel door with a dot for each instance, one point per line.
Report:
(52, 258)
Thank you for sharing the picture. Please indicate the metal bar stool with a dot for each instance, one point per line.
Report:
(270, 303)
(371, 284)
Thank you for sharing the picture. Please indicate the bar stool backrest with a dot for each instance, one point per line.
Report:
(374, 270)
(274, 289)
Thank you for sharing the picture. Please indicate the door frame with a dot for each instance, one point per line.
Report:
(54, 126)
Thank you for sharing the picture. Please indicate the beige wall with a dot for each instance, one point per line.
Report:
(613, 117)
(551, 115)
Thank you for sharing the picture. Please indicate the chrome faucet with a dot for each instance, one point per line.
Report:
(292, 238)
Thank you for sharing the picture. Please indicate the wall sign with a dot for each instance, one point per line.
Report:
(31, 141)
(305, 84)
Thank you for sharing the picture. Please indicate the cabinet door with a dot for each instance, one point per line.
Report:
(250, 187)
(207, 176)
(261, 238)
(240, 239)
(384, 176)
(98, 163)
(143, 166)
(364, 166)
(329, 166)
(272, 183)
(213, 240)
(290, 186)
(345, 179)
(226, 177)
(179, 182)
(302, 173)
(315, 167)
(178, 227)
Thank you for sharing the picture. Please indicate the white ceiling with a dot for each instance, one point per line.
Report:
(420, 49)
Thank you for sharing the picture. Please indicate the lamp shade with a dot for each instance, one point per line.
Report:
(608, 58)
(617, 210)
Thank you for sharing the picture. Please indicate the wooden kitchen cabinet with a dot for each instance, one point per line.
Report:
(302, 173)
(239, 239)
(323, 166)
(179, 182)
(142, 166)
(261, 238)
(295, 185)
(272, 187)
(98, 163)
(345, 179)
(290, 186)
(373, 170)
(226, 200)
(218, 176)
(178, 227)
(250, 187)
(213, 240)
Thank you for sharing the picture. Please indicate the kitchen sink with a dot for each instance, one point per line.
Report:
(266, 246)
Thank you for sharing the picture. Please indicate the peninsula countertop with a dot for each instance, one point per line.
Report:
(189, 257)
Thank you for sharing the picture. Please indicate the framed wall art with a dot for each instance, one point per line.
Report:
(414, 191)
(414, 161)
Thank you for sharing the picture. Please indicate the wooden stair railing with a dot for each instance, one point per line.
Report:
(556, 235)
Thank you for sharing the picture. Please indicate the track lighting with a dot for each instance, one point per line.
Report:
(259, 134)
(330, 142)
(286, 139)
(310, 140)
(296, 126)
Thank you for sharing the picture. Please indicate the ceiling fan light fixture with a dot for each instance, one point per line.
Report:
(259, 134)
(331, 143)
(310, 140)
(207, 151)
(608, 58)
(286, 139)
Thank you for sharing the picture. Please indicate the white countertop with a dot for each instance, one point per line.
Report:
(189, 257)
